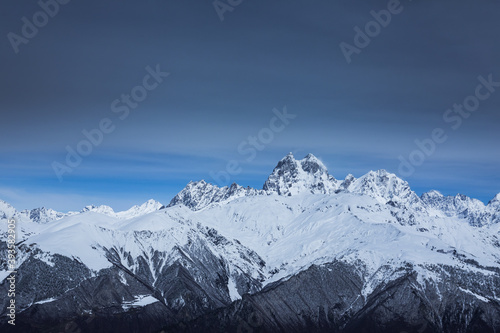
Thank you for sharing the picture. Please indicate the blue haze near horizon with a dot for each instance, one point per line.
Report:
(225, 80)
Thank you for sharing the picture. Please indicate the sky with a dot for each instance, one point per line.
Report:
(148, 95)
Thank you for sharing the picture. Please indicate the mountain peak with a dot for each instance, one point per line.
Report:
(291, 176)
(435, 193)
(288, 160)
(43, 215)
(495, 200)
(6, 210)
(383, 186)
(149, 205)
(312, 164)
(431, 195)
(198, 195)
(349, 179)
(102, 209)
(138, 210)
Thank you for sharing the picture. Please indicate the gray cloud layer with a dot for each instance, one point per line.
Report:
(226, 77)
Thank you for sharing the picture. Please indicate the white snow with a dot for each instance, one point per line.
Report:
(48, 300)
(4, 275)
(123, 280)
(135, 211)
(233, 291)
(479, 297)
(141, 300)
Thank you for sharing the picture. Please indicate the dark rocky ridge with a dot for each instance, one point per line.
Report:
(327, 299)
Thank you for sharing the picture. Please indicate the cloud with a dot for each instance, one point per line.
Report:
(225, 80)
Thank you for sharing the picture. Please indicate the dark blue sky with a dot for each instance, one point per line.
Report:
(225, 79)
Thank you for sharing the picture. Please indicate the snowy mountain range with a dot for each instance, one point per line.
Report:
(45, 215)
(306, 253)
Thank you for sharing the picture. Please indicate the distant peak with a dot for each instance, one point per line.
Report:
(196, 183)
(288, 159)
(433, 194)
(88, 207)
(432, 197)
(310, 156)
(307, 175)
(197, 195)
(5, 203)
(137, 210)
(495, 200)
(349, 179)
(462, 197)
(103, 209)
(309, 159)
(383, 186)
(151, 202)
(379, 173)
